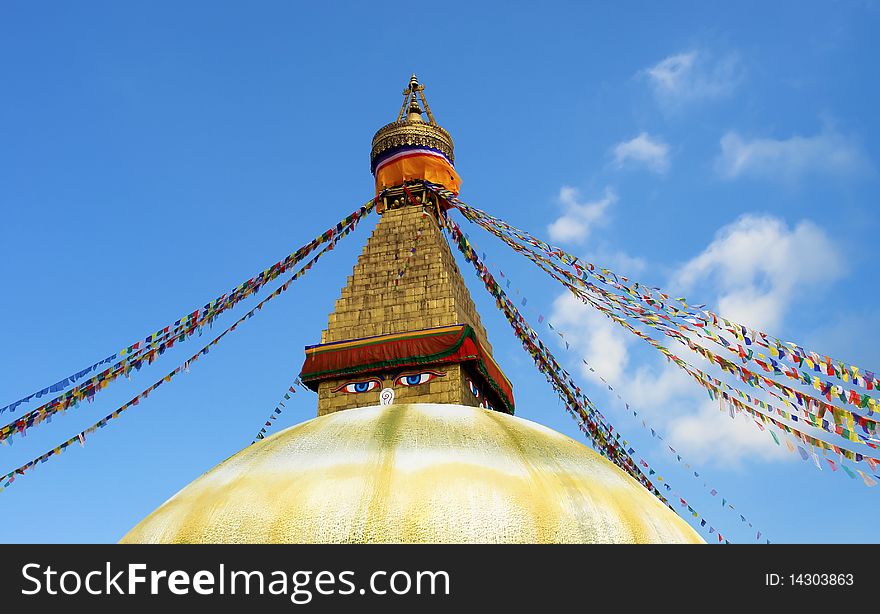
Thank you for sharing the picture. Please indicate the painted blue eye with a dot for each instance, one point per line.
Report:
(473, 388)
(416, 379)
(358, 387)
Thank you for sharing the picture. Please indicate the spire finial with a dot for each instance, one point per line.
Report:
(411, 95)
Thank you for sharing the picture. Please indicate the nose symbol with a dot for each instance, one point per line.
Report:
(386, 397)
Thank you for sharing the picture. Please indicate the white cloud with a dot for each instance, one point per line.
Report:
(709, 435)
(579, 219)
(643, 150)
(595, 337)
(620, 261)
(826, 153)
(693, 76)
(759, 266)
(655, 390)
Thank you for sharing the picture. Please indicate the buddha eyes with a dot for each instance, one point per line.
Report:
(410, 379)
(358, 387)
(473, 388)
(414, 379)
(484, 403)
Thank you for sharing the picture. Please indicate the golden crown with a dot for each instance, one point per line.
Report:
(412, 130)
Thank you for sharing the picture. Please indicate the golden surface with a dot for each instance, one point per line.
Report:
(414, 473)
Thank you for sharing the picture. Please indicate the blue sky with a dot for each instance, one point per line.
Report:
(155, 156)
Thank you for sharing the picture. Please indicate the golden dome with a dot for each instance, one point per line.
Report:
(414, 473)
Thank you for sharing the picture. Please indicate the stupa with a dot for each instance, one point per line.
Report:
(416, 438)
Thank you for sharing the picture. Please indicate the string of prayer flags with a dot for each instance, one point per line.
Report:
(735, 405)
(713, 385)
(840, 416)
(154, 344)
(412, 251)
(200, 318)
(9, 478)
(279, 407)
(545, 361)
(58, 386)
(6, 480)
(698, 316)
(636, 311)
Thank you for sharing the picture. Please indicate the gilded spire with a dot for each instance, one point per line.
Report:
(414, 90)
(410, 128)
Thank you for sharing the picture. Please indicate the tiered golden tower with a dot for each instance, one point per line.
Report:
(404, 288)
